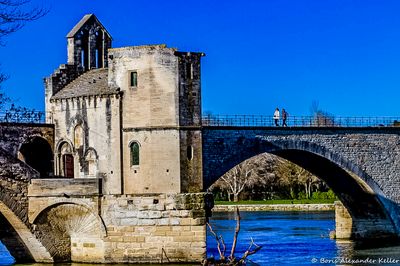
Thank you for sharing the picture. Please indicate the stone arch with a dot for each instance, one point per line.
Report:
(362, 197)
(91, 161)
(65, 159)
(19, 240)
(37, 153)
(71, 232)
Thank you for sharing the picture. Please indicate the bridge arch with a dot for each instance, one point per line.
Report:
(19, 240)
(371, 213)
(70, 231)
(37, 153)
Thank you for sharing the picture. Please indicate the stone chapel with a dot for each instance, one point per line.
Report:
(130, 116)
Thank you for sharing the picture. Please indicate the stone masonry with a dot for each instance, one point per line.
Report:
(16, 232)
(361, 165)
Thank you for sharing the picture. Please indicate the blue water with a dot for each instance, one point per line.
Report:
(297, 238)
(5, 257)
(287, 238)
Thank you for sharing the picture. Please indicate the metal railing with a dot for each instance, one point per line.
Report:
(299, 121)
(22, 116)
(28, 116)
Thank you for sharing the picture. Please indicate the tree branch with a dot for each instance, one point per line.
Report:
(220, 242)
(237, 229)
(249, 251)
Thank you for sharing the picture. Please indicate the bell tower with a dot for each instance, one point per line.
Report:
(88, 44)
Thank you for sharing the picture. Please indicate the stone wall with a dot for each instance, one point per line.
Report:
(13, 135)
(158, 170)
(98, 116)
(63, 75)
(14, 179)
(126, 228)
(189, 66)
(155, 228)
(353, 228)
(275, 207)
(16, 231)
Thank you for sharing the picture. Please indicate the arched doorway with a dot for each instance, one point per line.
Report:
(38, 154)
(66, 160)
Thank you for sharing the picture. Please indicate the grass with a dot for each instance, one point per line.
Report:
(258, 202)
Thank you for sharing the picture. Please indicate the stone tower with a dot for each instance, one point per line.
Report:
(161, 116)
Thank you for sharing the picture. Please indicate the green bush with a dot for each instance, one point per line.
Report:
(301, 195)
(323, 195)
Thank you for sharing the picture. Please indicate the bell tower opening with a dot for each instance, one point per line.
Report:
(88, 43)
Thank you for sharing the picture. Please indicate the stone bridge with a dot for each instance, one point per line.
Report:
(46, 218)
(22, 144)
(361, 165)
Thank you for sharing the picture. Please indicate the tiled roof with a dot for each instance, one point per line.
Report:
(93, 82)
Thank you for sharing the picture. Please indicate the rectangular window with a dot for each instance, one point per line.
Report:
(133, 79)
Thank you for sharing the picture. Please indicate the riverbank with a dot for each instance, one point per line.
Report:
(275, 207)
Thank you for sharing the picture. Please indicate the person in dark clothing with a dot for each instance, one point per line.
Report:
(284, 117)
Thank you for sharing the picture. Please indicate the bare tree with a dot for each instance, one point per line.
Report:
(267, 172)
(308, 180)
(245, 175)
(14, 14)
(321, 118)
(3, 97)
(236, 180)
(287, 174)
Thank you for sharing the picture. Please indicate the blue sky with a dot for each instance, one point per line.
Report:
(260, 54)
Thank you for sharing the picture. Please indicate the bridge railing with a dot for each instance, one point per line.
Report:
(22, 116)
(299, 121)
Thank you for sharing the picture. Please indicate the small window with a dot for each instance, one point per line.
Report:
(189, 152)
(134, 153)
(133, 79)
(189, 70)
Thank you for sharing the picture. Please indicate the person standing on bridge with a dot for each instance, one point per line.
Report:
(284, 117)
(276, 117)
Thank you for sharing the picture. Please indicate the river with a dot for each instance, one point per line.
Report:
(293, 238)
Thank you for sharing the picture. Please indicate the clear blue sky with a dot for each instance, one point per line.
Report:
(260, 54)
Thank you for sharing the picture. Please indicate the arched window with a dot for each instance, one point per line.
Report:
(78, 136)
(134, 147)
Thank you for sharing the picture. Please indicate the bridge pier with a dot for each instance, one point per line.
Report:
(348, 227)
(89, 227)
